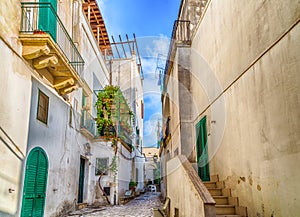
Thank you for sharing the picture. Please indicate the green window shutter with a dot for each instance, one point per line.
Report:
(47, 18)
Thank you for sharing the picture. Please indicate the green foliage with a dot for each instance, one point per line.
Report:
(132, 184)
(103, 168)
(112, 109)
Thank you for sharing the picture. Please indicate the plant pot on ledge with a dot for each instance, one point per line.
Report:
(38, 31)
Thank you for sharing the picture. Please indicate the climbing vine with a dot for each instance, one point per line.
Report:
(113, 167)
(113, 110)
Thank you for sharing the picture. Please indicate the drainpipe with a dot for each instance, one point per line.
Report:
(110, 72)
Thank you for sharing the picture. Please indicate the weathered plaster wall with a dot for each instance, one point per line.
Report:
(125, 75)
(124, 170)
(10, 13)
(101, 149)
(63, 142)
(265, 136)
(171, 108)
(15, 90)
(62, 148)
(181, 192)
(260, 145)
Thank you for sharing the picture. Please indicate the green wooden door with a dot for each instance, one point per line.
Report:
(81, 180)
(35, 182)
(202, 150)
(47, 17)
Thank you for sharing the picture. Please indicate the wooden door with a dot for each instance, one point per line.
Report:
(35, 182)
(81, 180)
(202, 150)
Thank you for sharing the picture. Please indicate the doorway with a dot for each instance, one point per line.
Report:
(81, 180)
(35, 183)
(202, 150)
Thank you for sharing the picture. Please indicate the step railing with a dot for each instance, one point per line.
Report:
(88, 122)
(180, 170)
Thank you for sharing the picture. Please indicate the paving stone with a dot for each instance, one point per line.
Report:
(139, 207)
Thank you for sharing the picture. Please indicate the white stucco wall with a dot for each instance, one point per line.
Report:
(101, 149)
(250, 53)
(62, 147)
(183, 195)
(125, 75)
(15, 92)
(244, 78)
(124, 169)
(15, 89)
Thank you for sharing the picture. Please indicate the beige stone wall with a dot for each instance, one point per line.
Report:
(181, 192)
(10, 16)
(171, 108)
(15, 89)
(250, 51)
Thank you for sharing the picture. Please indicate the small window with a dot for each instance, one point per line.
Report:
(107, 190)
(42, 110)
(101, 166)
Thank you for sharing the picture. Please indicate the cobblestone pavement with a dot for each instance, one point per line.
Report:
(138, 207)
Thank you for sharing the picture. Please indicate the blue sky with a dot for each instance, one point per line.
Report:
(152, 22)
(143, 17)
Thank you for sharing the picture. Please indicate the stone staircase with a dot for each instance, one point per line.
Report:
(226, 205)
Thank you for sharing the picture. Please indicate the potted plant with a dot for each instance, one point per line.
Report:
(38, 31)
(132, 185)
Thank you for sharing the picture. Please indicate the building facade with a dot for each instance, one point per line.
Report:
(231, 98)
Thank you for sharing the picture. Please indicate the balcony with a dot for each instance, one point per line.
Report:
(88, 125)
(48, 47)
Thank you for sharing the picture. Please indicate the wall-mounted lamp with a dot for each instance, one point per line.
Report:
(213, 122)
(155, 157)
(88, 154)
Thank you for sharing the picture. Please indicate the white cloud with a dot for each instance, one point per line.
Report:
(153, 51)
(150, 130)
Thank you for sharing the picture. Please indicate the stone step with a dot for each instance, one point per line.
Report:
(225, 210)
(81, 205)
(221, 200)
(215, 191)
(210, 184)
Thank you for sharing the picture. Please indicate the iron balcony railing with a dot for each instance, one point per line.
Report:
(181, 32)
(181, 35)
(88, 122)
(38, 17)
(125, 135)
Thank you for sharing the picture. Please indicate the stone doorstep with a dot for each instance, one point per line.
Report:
(85, 211)
(225, 209)
(81, 205)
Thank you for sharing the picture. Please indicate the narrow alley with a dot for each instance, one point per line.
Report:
(118, 108)
(139, 207)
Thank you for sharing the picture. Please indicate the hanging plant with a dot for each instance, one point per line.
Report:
(112, 109)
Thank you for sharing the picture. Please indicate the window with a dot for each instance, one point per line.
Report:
(101, 166)
(42, 110)
(107, 190)
(142, 109)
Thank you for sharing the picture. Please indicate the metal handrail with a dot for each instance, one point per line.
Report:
(30, 23)
(88, 122)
